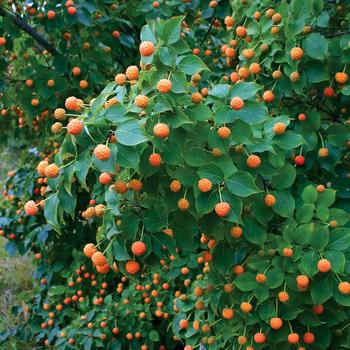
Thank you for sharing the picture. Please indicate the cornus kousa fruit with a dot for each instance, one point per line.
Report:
(205, 185)
(31, 208)
(222, 209)
(132, 267)
(164, 86)
(75, 127)
(102, 152)
(146, 48)
(52, 171)
(138, 248)
(236, 103)
(161, 130)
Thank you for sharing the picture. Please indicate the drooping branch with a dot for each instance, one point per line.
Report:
(19, 22)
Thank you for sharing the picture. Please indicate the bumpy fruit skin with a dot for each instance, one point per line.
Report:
(253, 161)
(270, 200)
(41, 167)
(132, 73)
(196, 97)
(268, 96)
(183, 324)
(98, 259)
(344, 288)
(120, 187)
(260, 278)
(105, 179)
(138, 248)
(341, 78)
(161, 130)
(328, 91)
(155, 160)
(308, 338)
(323, 152)
(132, 267)
(222, 209)
(72, 103)
(59, 114)
(52, 171)
(205, 185)
(276, 323)
(228, 313)
(259, 338)
(31, 208)
(103, 268)
(120, 79)
(75, 127)
(324, 265)
(135, 185)
(241, 31)
(141, 101)
(146, 48)
(296, 53)
(175, 186)
(102, 152)
(293, 338)
(164, 86)
(302, 281)
(283, 297)
(236, 103)
(183, 204)
(224, 132)
(287, 252)
(279, 128)
(236, 231)
(299, 160)
(89, 250)
(56, 128)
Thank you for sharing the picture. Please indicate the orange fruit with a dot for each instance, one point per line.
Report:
(308, 338)
(270, 200)
(276, 323)
(132, 73)
(59, 114)
(132, 267)
(52, 171)
(155, 160)
(205, 185)
(259, 338)
(135, 185)
(293, 338)
(120, 79)
(175, 186)
(236, 231)
(89, 250)
(260, 278)
(323, 152)
(31, 208)
(279, 128)
(102, 152)
(120, 187)
(253, 161)
(98, 259)
(183, 204)
(224, 132)
(302, 281)
(146, 48)
(141, 101)
(228, 313)
(105, 178)
(161, 130)
(268, 96)
(236, 103)
(222, 209)
(76, 71)
(283, 297)
(241, 31)
(344, 288)
(164, 86)
(324, 265)
(183, 324)
(341, 77)
(138, 248)
(75, 127)
(296, 53)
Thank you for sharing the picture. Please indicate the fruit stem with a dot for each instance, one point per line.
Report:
(219, 192)
(322, 142)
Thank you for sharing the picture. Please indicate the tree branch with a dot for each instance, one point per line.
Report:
(208, 31)
(19, 22)
(332, 35)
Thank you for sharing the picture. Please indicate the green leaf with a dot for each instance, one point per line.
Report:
(337, 259)
(131, 133)
(285, 178)
(253, 112)
(285, 204)
(339, 239)
(51, 210)
(57, 290)
(319, 237)
(112, 200)
(205, 202)
(308, 263)
(242, 184)
(245, 90)
(191, 64)
(327, 197)
(171, 29)
(305, 213)
(199, 112)
(153, 335)
(288, 140)
(223, 257)
(254, 232)
(119, 251)
(167, 55)
(275, 278)
(242, 132)
(321, 290)
(309, 194)
(316, 46)
(212, 172)
(246, 282)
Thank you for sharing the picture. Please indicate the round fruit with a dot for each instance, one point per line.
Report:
(89, 250)
(270, 200)
(75, 127)
(138, 248)
(236, 231)
(324, 265)
(228, 313)
(253, 161)
(52, 171)
(259, 338)
(98, 259)
(132, 267)
(222, 209)
(164, 86)
(205, 185)
(146, 48)
(276, 323)
(31, 208)
(296, 53)
(308, 338)
(224, 132)
(299, 160)
(293, 338)
(161, 130)
(155, 160)
(279, 128)
(236, 103)
(183, 204)
(141, 101)
(102, 152)
(344, 288)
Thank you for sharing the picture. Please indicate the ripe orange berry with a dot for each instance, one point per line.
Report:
(318, 309)
(35, 102)
(52, 171)
(283, 297)
(132, 267)
(76, 71)
(183, 324)
(155, 160)
(236, 103)
(229, 21)
(324, 265)
(253, 161)
(230, 52)
(120, 79)
(320, 188)
(276, 323)
(228, 313)
(31, 208)
(83, 84)
(183, 204)
(2, 41)
(341, 77)
(294, 76)
(344, 288)
(72, 10)
(161, 130)
(132, 73)
(224, 132)
(236, 232)
(241, 31)
(242, 340)
(308, 338)
(205, 185)
(255, 68)
(270, 200)
(135, 185)
(75, 126)
(175, 186)
(268, 96)
(279, 128)
(146, 48)
(222, 209)
(293, 338)
(302, 281)
(260, 278)
(102, 152)
(288, 252)
(98, 259)
(138, 248)
(59, 114)
(164, 86)
(141, 101)
(323, 152)
(41, 167)
(89, 250)
(248, 53)
(196, 97)
(296, 53)
(105, 179)
(259, 338)
(72, 103)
